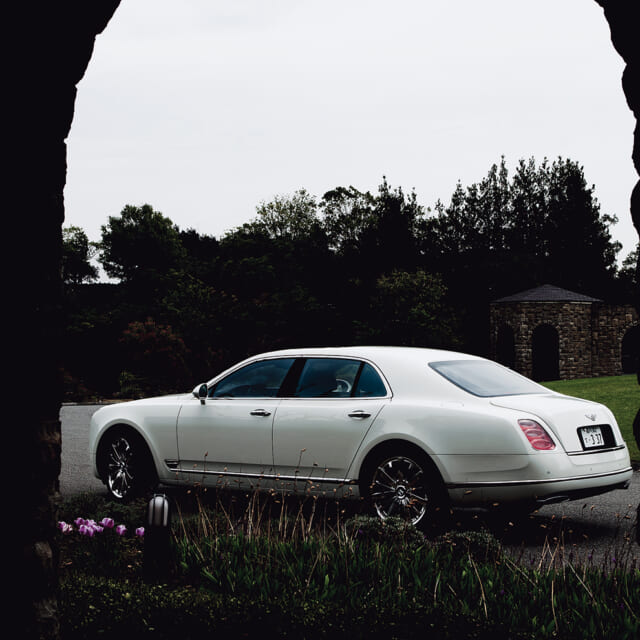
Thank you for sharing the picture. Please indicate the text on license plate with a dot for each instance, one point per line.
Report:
(592, 437)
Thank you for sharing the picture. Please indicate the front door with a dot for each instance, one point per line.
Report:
(228, 439)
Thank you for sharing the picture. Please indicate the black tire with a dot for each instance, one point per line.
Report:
(402, 481)
(126, 466)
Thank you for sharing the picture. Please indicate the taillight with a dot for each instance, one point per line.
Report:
(536, 435)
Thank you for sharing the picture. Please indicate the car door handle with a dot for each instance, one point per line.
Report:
(261, 412)
(359, 414)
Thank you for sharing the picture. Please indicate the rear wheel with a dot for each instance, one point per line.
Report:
(127, 468)
(404, 483)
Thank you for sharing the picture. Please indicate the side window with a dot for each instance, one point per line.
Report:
(327, 378)
(370, 384)
(257, 380)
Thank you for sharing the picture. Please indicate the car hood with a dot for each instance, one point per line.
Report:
(178, 398)
(564, 415)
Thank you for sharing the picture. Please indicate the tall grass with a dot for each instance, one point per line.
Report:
(309, 569)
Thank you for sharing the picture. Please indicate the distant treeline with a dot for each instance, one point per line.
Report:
(350, 267)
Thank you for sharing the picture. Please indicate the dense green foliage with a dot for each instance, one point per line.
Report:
(349, 268)
(290, 575)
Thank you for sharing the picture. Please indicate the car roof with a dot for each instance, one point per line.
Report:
(398, 365)
(374, 353)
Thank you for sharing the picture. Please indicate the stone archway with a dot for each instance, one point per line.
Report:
(545, 353)
(51, 44)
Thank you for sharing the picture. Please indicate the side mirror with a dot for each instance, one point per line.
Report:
(201, 392)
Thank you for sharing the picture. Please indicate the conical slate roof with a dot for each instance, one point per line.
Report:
(548, 293)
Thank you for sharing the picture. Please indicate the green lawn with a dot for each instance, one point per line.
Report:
(620, 393)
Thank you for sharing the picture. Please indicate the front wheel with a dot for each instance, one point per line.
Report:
(404, 484)
(127, 469)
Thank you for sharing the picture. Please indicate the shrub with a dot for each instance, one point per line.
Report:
(392, 531)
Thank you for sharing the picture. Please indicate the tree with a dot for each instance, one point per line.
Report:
(409, 309)
(499, 236)
(201, 255)
(140, 245)
(155, 359)
(391, 241)
(280, 272)
(628, 278)
(289, 217)
(347, 214)
(77, 253)
(581, 253)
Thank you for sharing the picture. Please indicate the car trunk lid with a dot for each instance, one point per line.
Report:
(578, 425)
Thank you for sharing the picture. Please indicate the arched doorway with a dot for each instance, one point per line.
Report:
(630, 351)
(506, 347)
(545, 353)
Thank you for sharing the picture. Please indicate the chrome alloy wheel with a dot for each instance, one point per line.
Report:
(120, 476)
(398, 489)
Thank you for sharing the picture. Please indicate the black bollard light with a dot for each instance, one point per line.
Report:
(157, 548)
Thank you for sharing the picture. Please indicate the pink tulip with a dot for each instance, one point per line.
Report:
(64, 527)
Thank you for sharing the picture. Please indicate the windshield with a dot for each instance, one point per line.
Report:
(485, 378)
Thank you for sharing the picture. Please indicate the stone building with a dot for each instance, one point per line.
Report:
(549, 333)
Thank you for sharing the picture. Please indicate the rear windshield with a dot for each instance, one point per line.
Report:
(485, 378)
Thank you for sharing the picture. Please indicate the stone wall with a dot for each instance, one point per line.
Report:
(589, 335)
(49, 45)
(611, 323)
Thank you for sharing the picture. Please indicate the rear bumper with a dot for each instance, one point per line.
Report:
(546, 491)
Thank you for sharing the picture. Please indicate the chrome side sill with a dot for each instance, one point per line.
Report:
(264, 476)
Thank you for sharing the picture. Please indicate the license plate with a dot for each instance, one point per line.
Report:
(592, 437)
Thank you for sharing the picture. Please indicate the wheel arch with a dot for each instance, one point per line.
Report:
(128, 429)
(394, 445)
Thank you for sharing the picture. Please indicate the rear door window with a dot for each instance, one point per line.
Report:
(338, 378)
(369, 384)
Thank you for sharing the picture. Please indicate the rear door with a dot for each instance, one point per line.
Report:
(317, 431)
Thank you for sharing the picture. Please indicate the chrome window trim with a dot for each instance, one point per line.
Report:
(303, 356)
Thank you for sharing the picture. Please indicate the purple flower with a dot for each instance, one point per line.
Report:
(107, 523)
(64, 527)
(121, 529)
(86, 530)
(79, 522)
(140, 532)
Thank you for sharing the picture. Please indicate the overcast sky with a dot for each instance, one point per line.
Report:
(205, 108)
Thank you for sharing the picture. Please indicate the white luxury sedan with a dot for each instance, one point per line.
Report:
(410, 430)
